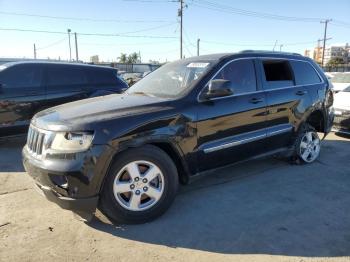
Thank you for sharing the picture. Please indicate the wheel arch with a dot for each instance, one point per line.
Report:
(317, 120)
(169, 147)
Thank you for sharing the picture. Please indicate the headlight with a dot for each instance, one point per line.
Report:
(72, 141)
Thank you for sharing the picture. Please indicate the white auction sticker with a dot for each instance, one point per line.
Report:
(198, 65)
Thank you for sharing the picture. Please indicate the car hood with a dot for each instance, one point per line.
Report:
(342, 100)
(83, 113)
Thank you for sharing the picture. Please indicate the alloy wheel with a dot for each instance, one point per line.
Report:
(310, 147)
(139, 185)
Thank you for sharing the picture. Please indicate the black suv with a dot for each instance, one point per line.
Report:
(127, 153)
(29, 87)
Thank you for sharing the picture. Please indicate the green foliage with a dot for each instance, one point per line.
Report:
(129, 59)
(335, 62)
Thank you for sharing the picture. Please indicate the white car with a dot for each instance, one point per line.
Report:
(341, 107)
(340, 81)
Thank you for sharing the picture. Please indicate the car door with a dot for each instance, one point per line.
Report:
(232, 128)
(65, 83)
(286, 101)
(21, 96)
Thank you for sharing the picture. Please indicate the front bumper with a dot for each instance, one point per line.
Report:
(72, 183)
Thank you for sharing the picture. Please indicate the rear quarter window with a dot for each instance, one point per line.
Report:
(304, 73)
(103, 77)
(277, 73)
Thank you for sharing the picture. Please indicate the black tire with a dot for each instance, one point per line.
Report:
(297, 157)
(119, 214)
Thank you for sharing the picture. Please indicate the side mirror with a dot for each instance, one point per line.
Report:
(219, 88)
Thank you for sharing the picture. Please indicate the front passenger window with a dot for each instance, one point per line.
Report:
(241, 74)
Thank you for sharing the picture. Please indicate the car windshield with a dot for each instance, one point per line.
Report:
(341, 78)
(347, 89)
(171, 80)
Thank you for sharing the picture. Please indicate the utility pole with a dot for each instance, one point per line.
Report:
(325, 22)
(180, 14)
(76, 47)
(281, 47)
(273, 49)
(198, 40)
(34, 52)
(70, 49)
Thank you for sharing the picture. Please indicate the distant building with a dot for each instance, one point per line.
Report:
(341, 52)
(94, 59)
(309, 53)
(331, 52)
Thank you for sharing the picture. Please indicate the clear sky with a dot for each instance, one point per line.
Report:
(220, 24)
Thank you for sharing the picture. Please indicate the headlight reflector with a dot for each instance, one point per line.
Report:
(72, 141)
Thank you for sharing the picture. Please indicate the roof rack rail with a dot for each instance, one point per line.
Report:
(269, 52)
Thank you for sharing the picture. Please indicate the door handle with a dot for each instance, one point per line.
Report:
(301, 92)
(256, 100)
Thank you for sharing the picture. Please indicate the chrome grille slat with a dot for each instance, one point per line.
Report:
(35, 141)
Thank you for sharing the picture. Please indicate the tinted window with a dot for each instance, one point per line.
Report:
(65, 75)
(304, 73)
(241, 73)
(21, 76)
(277, 74)
(103, 77)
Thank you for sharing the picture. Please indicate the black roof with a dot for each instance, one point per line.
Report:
(53, 63)
(243, 53)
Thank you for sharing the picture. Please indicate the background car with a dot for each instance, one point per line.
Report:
(342, 111)
(29, 87)
(340, 81)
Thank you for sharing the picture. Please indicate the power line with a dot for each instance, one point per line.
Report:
(128, 44)
(87, 34)
(229, 9)
(82, 18)
(250, 44)
(52, 44)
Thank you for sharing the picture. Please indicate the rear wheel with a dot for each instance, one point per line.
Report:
(140, 186)
(307, 144)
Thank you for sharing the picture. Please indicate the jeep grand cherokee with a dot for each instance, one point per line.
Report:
(126, 154)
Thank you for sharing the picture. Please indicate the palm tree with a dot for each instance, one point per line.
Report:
(123, 58)
(133, 58)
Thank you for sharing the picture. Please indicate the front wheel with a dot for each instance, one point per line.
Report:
(308, 144)
(140, 186)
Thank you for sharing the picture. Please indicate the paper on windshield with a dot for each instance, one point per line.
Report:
(198, 65)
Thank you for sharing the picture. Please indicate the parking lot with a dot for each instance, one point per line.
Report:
(262, 210)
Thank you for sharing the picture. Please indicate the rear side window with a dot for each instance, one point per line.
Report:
(278, 74)
(304, 73)
(241, 74)
(103, 77)
(58, 75)
(21, 76)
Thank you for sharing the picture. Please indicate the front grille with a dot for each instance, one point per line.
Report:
(35, 141)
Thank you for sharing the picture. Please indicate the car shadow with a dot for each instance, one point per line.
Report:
(10, 152)
(263, 206)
